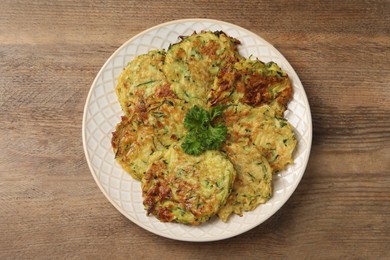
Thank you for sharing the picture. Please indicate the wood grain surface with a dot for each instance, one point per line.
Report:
(50, 52)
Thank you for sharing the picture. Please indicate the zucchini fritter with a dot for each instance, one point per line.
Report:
(252, 82)
(140, 79)
(134, 144)
(253, 184)
(191, 65)
(272, 135)
(143, 136)
(187, 189)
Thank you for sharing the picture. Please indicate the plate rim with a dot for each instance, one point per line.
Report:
(121, 210)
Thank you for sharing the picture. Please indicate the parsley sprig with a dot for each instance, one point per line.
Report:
(204, 130)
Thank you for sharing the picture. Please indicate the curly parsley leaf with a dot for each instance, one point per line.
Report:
(216, 136)
(196, 119)
(202, 133)
(191, 144)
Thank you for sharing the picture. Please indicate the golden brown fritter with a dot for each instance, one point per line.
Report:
(144, 135)
(254, 83)
(140, 80)
(253, 184)
(262, 127)
(187, 189)
(191, 65)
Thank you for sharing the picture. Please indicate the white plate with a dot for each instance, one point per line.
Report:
(102, 112)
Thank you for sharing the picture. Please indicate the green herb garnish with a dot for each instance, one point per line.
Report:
(204, 130)
(146, 83)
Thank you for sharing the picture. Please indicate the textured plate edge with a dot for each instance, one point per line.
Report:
(94, 175)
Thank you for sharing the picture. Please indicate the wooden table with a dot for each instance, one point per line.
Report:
(50, 52)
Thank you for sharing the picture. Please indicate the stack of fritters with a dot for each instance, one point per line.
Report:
(155, 91)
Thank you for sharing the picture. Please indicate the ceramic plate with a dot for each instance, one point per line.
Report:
(102, 112)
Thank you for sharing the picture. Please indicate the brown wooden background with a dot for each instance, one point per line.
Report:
(50, 52)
